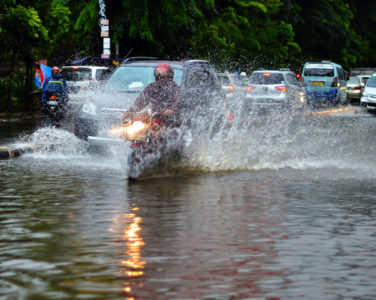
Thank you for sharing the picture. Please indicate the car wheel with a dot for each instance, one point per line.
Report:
(81, 134)
(81, 130)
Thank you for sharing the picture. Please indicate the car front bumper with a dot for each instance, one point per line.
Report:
(369, 102)
(85, 125)
(327, 95)
(352, 94)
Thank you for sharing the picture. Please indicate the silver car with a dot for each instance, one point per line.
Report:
(83, 81)
(279, 89)
(354, 89)
(368, 99)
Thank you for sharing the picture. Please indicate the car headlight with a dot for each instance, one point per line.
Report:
(89, 108)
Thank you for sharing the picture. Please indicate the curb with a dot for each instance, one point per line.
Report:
(7, 152)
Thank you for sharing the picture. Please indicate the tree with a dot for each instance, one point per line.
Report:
(27, 32)
(362, 24)
(219, 30)
(247, 33)
(18, 21)
(324, 31)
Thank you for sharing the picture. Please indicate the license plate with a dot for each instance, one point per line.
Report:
(319, 83)
(52, 103)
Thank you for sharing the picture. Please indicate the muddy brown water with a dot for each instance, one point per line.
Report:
(298, 224)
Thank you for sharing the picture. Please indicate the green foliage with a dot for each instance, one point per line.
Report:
(26, 34)
(18, 81)
(247, 4)
(17, 22)
(86, 26)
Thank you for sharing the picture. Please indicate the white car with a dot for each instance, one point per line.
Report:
(368, 99)
(275, 89)
(363, 79)
(83, 81)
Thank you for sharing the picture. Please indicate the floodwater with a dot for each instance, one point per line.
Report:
(282, 208)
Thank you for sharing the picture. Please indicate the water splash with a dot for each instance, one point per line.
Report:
(270, 140)
(57, 139)
(214, 141)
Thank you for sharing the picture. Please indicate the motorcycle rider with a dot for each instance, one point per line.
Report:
(164, 95)
(55, 85)
(243, 78)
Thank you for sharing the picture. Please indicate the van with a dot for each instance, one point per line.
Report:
(325, 83)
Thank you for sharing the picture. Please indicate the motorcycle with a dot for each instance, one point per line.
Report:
(55, 109)
(152, 141)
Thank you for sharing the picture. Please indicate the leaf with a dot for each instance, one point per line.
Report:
(255, 4)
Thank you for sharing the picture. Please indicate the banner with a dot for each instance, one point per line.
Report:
(42, 72)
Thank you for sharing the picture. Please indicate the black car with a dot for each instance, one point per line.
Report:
(198, 79)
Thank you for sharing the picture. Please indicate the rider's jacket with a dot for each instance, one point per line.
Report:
(162, 95)
(57, 86)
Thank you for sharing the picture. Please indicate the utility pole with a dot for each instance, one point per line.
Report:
(105, 30)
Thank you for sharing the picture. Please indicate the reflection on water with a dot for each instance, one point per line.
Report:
(129, 225)
(134, 244)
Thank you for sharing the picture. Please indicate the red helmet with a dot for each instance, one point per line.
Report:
(55, 70)
(163, 71)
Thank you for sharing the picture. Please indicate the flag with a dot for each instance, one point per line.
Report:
(42, 73)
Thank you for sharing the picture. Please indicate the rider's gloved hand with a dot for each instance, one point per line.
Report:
(127, 115)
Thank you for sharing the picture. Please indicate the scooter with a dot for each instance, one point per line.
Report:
(55, 109)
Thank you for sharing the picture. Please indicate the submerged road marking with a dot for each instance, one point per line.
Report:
(334, 111)
(7, 152)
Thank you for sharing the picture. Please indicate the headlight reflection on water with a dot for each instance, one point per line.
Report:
(133, 263)
(134, 244)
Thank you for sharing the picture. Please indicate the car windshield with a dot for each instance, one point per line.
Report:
(319, 71)
(224, 80)
(364, 79)
(102, 74)
(371, 81)
(354, 80)
(266, 78)
(134, 79)
(76, 74)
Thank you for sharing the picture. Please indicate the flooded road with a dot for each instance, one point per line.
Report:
(279, 209)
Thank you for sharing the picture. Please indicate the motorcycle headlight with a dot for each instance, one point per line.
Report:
(89, 108)
(118, 131)
(137, 126)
